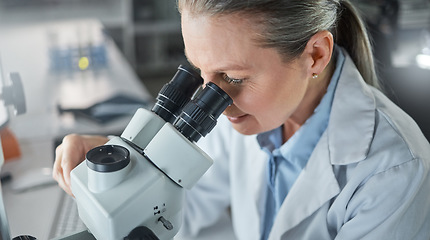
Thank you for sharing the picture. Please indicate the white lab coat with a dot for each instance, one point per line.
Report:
(368, 177)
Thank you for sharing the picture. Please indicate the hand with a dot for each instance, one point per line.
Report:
(70, 153)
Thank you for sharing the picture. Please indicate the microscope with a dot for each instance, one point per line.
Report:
(133, 186)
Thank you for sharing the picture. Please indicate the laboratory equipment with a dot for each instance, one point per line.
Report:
(11, 95)
(134, 184)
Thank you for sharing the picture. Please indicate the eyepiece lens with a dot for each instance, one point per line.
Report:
(200, 115)
(177, 93)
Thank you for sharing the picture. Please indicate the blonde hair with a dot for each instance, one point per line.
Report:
(287, 25)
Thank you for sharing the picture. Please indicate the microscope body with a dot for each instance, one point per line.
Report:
(133, 186)
(149, 190)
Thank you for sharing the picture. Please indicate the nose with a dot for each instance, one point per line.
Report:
(208, 78)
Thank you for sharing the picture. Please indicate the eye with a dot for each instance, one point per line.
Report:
(234, 81)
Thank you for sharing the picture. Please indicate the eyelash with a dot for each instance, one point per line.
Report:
(230, 80)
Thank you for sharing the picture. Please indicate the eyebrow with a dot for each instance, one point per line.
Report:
(232, 67)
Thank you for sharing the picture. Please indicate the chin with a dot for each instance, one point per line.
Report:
(245, 130)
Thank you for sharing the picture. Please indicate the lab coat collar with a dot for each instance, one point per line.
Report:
(352, 119)
(316, 183)
(351, 126)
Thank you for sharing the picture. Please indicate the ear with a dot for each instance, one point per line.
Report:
(319, 49)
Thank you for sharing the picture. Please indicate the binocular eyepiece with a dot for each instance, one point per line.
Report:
(193, 117)
(174, 95)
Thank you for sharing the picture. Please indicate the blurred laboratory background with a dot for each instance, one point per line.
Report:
(400, 33)
(87, 65)
(147, 32)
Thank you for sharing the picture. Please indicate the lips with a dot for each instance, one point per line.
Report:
(237, 119)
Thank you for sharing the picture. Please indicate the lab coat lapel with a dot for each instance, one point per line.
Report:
(351, 125)
(259, 189)
(315, 186)
(249, 200)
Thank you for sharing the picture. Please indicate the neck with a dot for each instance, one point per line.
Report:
(316, 91)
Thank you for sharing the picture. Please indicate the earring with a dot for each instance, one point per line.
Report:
(314, 75)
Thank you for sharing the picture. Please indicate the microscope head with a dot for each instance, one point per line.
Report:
(138, 180)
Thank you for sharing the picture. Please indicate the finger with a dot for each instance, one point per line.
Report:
(65, 188)
(66, 171)
(56, 169)
(73, 154)
(66, 167)
(66, 150)
(61, 169)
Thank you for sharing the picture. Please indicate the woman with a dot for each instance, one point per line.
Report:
(310, 148)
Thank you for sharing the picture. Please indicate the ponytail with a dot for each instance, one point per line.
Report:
(352, 35)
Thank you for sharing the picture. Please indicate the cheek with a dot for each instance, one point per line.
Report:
(250, 101)
(276, 102)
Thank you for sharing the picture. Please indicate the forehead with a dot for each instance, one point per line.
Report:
(225, 23)
(230, 37)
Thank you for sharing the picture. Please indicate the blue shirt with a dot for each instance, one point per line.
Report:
(287, 160)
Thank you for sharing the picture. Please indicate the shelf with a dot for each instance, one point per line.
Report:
(147, 32)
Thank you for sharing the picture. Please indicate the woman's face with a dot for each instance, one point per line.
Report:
(266, 91)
